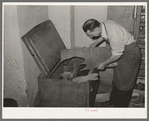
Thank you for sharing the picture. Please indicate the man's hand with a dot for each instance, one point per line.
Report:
(98, 41)
(112, 65)
(101, 66)
(93, 45)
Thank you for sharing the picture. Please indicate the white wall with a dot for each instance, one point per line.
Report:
(60, 16)
(14, 76)
(23, 83)
(83, 13)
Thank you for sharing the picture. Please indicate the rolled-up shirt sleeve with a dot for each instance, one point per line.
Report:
(117, 52)
(116, 42)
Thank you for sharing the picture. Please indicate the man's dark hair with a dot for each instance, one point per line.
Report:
(90, 25)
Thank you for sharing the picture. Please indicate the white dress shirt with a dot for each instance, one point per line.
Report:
(117, 35)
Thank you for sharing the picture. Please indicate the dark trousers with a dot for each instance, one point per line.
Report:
(119, 98)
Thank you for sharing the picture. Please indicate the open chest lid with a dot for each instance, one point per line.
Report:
(44, 44)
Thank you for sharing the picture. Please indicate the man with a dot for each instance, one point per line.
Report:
(124, 51)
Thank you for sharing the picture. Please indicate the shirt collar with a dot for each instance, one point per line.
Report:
(104, 34)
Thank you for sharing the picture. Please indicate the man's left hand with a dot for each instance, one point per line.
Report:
(101, 66)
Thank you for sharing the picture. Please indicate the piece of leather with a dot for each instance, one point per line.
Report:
(92, 58)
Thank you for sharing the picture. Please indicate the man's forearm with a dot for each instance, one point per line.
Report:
(112, 59)
(98, 41)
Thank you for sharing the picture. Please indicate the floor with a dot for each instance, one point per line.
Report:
(137, 100)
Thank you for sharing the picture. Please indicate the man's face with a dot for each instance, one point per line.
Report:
(95, 33)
